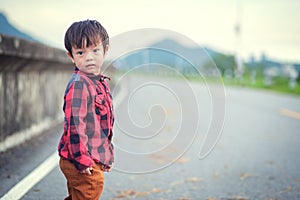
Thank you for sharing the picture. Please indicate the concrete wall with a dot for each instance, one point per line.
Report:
(32, 82)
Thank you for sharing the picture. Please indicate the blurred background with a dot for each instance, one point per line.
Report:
(262, 28)
(206, 96)
(259, 39)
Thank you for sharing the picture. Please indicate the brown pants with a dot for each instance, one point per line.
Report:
(82, 186)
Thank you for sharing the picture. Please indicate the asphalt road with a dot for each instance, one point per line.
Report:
(159, 131)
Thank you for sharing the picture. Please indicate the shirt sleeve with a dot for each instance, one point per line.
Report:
(76, 103)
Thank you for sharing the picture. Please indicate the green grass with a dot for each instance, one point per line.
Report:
(279, 84)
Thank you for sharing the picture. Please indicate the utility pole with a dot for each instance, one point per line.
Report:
(238, 35)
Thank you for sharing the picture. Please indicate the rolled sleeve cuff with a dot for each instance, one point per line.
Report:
(88, 162)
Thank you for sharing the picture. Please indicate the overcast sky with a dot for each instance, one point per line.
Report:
(267, 26)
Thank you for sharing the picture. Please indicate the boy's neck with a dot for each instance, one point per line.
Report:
(78, 70)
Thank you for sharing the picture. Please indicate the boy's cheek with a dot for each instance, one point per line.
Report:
(78, 64)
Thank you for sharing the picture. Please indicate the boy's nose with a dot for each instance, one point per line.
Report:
(89, 56)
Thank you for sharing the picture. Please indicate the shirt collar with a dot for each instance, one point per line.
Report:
(92, 76)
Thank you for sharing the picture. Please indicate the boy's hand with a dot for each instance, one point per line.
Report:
(106, 168)
(87, 171)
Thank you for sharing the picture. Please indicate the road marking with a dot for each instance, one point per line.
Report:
(290, 113)
(20, 189)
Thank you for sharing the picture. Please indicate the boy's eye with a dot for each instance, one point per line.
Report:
(79, 53)
(96, 50)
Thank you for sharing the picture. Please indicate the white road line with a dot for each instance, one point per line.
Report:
(21, 188)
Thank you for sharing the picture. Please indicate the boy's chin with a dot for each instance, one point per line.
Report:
(97, 73)
(94, 72)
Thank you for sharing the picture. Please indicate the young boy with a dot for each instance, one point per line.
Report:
(85, 148)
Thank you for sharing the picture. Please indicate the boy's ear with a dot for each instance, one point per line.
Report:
(106, 49)
(70, 56)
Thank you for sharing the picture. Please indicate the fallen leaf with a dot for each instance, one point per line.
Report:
(156, 190)
(211, 198)
(245, 176)
(216, 175)
(126, 193)
(176, 183)
(288, 189)
(142, 194)
(193, 179)
(238, 197)
(183, 198)
(132, 193)
(182, 160)
(159, 159)
(270, 162)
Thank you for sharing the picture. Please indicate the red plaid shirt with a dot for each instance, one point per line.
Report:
(88, 108)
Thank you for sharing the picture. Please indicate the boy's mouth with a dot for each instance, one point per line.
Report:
(90, 65)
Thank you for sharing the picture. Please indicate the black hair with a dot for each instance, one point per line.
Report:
(85, 33)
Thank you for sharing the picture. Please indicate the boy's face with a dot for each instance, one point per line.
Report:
(89, 59)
